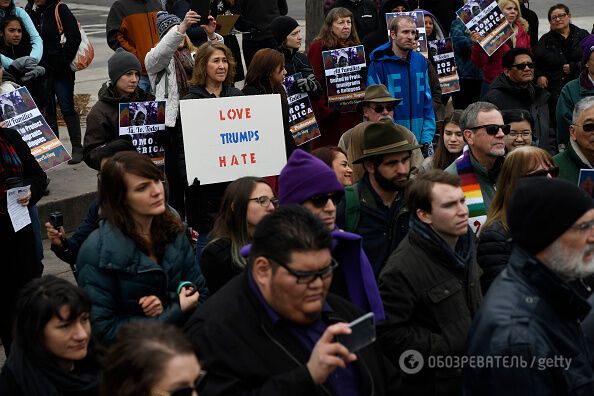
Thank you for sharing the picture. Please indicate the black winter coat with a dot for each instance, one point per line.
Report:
(492, 253)
(507, 95)
(56, 57)
(246, 354)
(430, 296)
(297, 62)
(553, 51)
(364, 13)
(217, 264)
(533, 317)
(202, 202)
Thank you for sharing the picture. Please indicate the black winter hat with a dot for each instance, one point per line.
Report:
(541, 209)
(281, 27)
(120, 63)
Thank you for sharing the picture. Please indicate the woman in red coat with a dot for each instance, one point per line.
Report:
(338, 31)
(491, 65)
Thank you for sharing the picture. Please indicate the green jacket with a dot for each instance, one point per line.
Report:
(571, 93)
(570, 162)
(487, 178)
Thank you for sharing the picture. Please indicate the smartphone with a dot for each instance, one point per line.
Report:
(363, 333)
(56, 219)
(202, 8)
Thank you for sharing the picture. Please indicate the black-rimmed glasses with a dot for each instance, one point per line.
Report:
(307, 277)
(586, 127)
(265, 201)
(320, 200)
(188, 390)
(553, 171)
(522, 66)
(493, 129)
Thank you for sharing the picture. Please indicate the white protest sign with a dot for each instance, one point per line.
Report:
(228, 138)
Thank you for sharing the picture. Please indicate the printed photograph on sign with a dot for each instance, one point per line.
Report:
(419, 19)
(486, 18)
(143, 121)
(344, 69)
(20, 112)
(586, 181)
(441, 53)
(302, 120)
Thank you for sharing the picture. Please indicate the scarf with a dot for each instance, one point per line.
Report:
(472, 191)
(10, 166)
(184, 64)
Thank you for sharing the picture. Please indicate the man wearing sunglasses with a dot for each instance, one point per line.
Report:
(515, 89)
(375, 207)
(309, 182)
(532, 312)
(272, 330)
(579, 153)
(377, 106)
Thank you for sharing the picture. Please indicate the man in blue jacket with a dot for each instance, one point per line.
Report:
(403, 70)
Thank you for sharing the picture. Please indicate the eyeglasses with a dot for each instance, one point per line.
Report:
(586, 127)
(307, 277)
(553, 171)
(524, 134)
(522, 66)
(188, 390)
(265, 201)
(380, 108)
(558, 17)
(583, 227)
(493, 129)
(319, 201)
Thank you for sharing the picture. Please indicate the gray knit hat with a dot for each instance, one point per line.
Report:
(166, 21)
(120, 63)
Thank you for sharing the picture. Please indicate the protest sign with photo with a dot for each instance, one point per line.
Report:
(419, 19)
(228, 138)
(20, 112)
(302, 120)
(345, 73)
(143, 121)
(586, 181)
(486, 18)
(442, 57)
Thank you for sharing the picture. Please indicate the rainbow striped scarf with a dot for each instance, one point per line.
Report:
(472, 191)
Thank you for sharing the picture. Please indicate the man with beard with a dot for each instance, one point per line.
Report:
(480, 163)
(531, 315)
(430, 286)
(377, 106)
(375, 207)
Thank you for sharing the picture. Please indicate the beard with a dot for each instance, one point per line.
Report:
(388, 184)
(571, 265)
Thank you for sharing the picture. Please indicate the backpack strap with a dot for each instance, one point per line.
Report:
(351, 195)
(58, 20)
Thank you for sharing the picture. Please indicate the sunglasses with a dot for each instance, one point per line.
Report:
(553, 171)
(522, 66)
(188, 390)
(493, 129)
(381, 108)
(320, 200)
(265, 201)
(307, 277)
(586, 127)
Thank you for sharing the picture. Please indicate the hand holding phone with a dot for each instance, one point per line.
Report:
(202, 8)
(362, 333)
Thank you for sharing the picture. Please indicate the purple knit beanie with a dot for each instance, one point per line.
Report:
(587, 48)
(305, 176)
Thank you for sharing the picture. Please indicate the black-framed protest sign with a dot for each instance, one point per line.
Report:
(143, 121)
(345, 71)
(441, 53)
(302, 120)
(486, 18)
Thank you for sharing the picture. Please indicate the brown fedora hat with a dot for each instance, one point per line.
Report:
(377, 93)
(381, 138)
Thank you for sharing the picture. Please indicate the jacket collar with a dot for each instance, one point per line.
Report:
(558, 293)
(489, 174)
(574, 151)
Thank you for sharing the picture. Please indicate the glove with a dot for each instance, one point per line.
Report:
(34, 73)
(24, 63)
(312, 82)
(302, 85)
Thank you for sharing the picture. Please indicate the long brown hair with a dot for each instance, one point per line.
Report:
(201, 60)
(517, 164)
(265, 62)
(113, 202)
(328, 38)
(442, 158)
(232, 219)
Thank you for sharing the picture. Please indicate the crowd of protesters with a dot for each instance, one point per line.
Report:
(456, 220)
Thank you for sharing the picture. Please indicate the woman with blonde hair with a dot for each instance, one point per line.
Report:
(493, 249)
(336, 32)
(491, 65)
